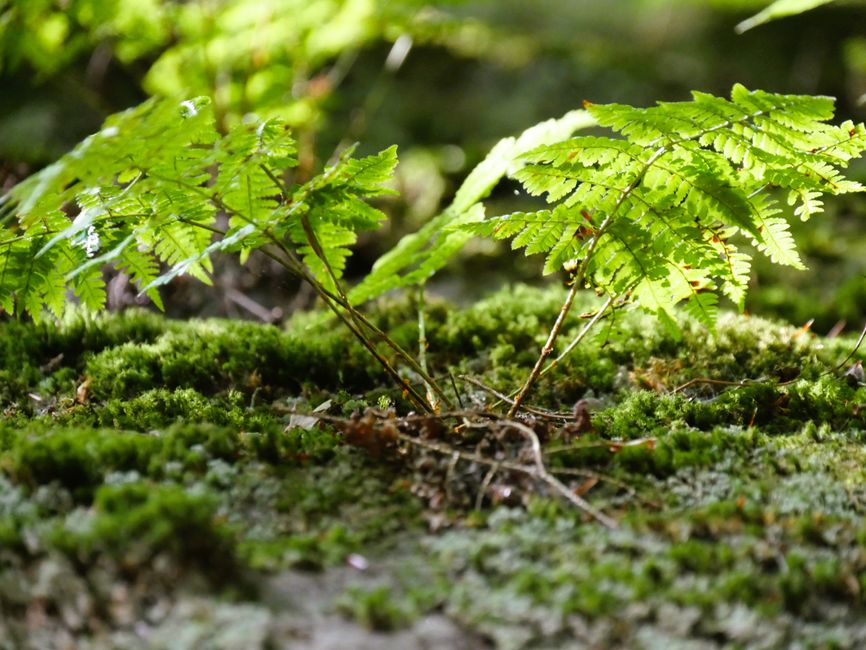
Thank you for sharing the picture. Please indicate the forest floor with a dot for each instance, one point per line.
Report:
(205, 484)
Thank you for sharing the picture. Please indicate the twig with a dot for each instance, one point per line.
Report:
(243, 300)
(456, 392)
(530, 470)
(715, 382)
(557, 485)
(432, 397)
(504, 398)
(586, 473)
(850, 354)
(545, 351)
(742, 383)
(577, 339)
(537, 470)
(479, 498)
(614, 445)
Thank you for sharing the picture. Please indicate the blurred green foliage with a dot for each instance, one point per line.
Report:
(443, 79)
(439, 71)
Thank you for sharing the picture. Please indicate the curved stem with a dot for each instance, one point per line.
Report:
(356, 322)
(545, 351)
(580, 336)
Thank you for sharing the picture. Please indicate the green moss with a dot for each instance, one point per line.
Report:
(212, 356)
(77, 459)
(30, 353)
(319, 514)
(138, 521)
(743, 501)
(377, 608)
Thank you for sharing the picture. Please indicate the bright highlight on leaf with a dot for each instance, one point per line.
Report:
(417, 256)
(779, 9)
(655, 215)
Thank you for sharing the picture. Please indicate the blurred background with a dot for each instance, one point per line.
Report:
(444, 80)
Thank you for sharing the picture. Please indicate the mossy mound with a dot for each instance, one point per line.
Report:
(147, 461)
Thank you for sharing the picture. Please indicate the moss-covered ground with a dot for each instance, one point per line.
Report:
(158, 490)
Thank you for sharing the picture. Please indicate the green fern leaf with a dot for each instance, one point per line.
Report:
(651, 214)
(779, 9)
(148, 190)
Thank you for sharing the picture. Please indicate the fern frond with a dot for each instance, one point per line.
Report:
(779, 9)
(147, 190)
(652, 212)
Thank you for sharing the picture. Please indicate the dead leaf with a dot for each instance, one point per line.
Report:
(83, 391)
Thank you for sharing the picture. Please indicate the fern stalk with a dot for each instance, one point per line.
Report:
(545, 351)
(355, 322)
(586, 329)
(433, 396)
(577, 283)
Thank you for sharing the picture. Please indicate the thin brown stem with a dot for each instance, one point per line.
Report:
(580, 336)
(553, 482)
(505, 398)
(413, 394)
(529, 470)
(579, 279)
(850, 354)
(297, 267)
(545, 351)
(432, 397)
(341, 298)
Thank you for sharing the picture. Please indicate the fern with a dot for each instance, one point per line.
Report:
(655, 215)
(144, 194)
(419, 255)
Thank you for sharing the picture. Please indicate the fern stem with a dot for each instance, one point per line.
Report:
(356, 317)
(295, 266)
(335, 303)
(545, 351)
(410, 391)
(299, 269)
(580, 336)
(580, 278)
(422, 347)
(342, 298)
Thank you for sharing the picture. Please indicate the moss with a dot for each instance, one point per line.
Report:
(377, 608)
(746, 505)
(138, 521)
(212, 356)
(29, 353)
(727, 553)
(77, 459)
(318, 514)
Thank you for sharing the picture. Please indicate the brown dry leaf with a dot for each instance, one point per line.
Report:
(83, 391)
(586, 486)
(649, 443)
(657, 375)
